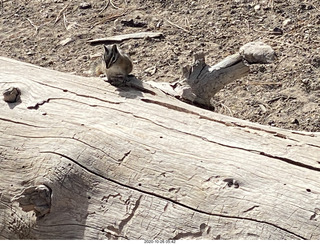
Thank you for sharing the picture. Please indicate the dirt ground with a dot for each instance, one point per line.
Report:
(54, 34)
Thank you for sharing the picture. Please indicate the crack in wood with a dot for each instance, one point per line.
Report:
(58, 98)
(290, 161)
(232, 124)
(124, 156)
(174, 190)
(69, 138)
(166, 207)
(312, 145)
(286, 160)
(20, 123)
(126, 220)
(115, 236)
(72, 224)
(196, 80)
(274, 133)
(113, 196)
(250, 209)
(173, 201)
(187, 234)
(167, 105)
(96, 98)
(38, 104)
(80, 95)
(303, 133)
(203, 228)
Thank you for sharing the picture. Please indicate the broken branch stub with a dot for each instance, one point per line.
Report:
(120, 38)
(201, 81)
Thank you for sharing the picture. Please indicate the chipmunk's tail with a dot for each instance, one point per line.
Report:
(96, 68)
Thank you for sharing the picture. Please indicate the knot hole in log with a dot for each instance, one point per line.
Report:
(35, 198)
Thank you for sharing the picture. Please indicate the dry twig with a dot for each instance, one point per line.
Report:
(110, 18)
(187, 22)
(69, 25)
(113, 5)
(271, 4)
(177, 26)
(65, 21)
(227, 108)
(59, 14)
(35, 26)
(105, 7)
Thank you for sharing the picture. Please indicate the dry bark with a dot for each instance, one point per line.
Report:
(86, 160)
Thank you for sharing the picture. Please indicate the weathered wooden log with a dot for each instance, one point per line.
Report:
(202, 81)
(81, 159)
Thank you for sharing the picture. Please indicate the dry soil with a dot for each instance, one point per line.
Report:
(54, 34)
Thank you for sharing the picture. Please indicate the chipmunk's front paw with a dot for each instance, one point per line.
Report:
(118, 80)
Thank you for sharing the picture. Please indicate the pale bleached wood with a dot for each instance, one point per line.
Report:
(201, 81)
(120, 38)
(123, 164)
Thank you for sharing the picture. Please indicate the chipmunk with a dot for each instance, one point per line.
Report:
(115, 64)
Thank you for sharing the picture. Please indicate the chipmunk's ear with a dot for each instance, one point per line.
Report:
(114, 48)
(106, 49)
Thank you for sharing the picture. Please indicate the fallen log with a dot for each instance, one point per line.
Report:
(81, 159)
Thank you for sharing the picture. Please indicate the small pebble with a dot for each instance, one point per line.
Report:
(277, 31)
(286, 22)
(85, 5)
(257, 52)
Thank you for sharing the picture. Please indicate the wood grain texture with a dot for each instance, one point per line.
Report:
(123, 164)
